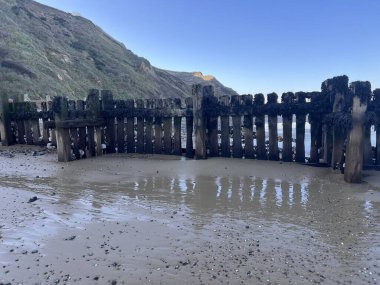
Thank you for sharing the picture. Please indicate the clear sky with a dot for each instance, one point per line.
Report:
(250, 45)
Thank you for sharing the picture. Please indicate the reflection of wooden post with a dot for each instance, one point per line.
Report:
(247, 127)
(237, 150)
(177, 146)
(5, 122)
(376, 99)
(189, 128)
(108, 105)
(261, 152)
(199, 94)
(225, 148)
(61, 113)
(272, 125)
(300, 130)
(354, 156)
(287, 118)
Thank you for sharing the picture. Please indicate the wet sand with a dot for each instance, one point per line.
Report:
(140, 219)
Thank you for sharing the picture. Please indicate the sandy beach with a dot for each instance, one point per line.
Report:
(153, 219)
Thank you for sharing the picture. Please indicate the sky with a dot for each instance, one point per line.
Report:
(251, 46)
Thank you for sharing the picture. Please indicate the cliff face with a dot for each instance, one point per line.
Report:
(44, 51)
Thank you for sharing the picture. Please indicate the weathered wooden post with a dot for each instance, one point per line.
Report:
(36, 134)
(272, 125)
(237, 149)
(53, 136)
(73, 131)
(140, 147)
(225, 145)
(81, 130)
(287, 119)
(199, 93)
(337, 90)
(45, 131)
(149, 126)
(158, 104)
(367, 153)
(120, 135)
(361, 92)
(300, 128)
(108, 106)
(212, 126)
(177, 148)
(189, 127)
(315, 127)
(130, 104)
(28, 108)
(167, 126)
(93, 109)
(5, 122)
(61, 114)
(376, 101)
(247, 126)
(261, 152)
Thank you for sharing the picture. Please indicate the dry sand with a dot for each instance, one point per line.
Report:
(131, 219)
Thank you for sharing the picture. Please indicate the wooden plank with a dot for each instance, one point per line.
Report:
(248, 128)
(367, 153)
(120, 129)
(212, 125)
(261, 152)
(63, 136)
(199, 93)
(237, 150)
(287, 120)
(327, 143)
(108, 105)
(5, 122)
(189, 128)
(45, 131)
(53, 137)
(130, 127)
(300, 130)
(158, 104)
(74, 131)
(93, 109)
(140, 147)
(167, 126)
(177, 148)
(149, 127)
(354, 156)
(225, 145)
(80, 106)
(19, 108)
(272, 127)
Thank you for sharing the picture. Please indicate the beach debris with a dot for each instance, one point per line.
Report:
(71, 238)
(33, 199)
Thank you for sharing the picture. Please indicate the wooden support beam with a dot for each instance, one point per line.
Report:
(149, 127)
(246, 101)
(272, 126)
(225, 144)
(212, 127)
(177, 148)
(361, 92)
(74, 131)
(130, 127)
(261, 152)
(199, 93)
(108, 105)
(5, 122)
(167, 126)
(53, 136)
(287, 120)
(300, 129)
(61, 113)
(237, 150)
(80, 106)
(158, 104)
(140, 147)
(189, 128)
(93, 110)
(120, 130)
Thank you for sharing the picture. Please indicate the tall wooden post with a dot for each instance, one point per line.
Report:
(158, 104)
(93, 109)
(367, 153)
(225, 145)
(61, 113)
(376, 100)
(149, 126)
(19, 108)
(247, 126)
(361, 92)
(28, 107)
(140, 147)
(272, 125)
(5, 122)
(199, 94)
(287, 119)
(300, 129)
(74, 131)
(315, 129)
(261, 152)
(237, 149)
(53, 136)
(167, 126)
(212, 126)
(82, 130)
(177, 147)
(189, 127)
(45, 131)
(130, 104)
(120, 129)
(108, 106)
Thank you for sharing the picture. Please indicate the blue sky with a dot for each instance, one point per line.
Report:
(252, 46)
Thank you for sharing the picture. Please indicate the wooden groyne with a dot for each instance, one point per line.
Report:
(340, 116)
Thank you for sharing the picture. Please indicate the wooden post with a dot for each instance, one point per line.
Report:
(28, 108)
(376, 100)
(5, 122)
(61, 113)
(45, 131)
(199, 94)
(120, 135)
(327, 143)
(158, 104)
(287, 120)
(189, 127)
(361, 92)
(177, 150)
(315, 130)
(148, 126)
(272, 125)
(36, 134)
(261, 152)
(81, 130)
(225, 145)
(246, 101)
(300, 129)
(108, 106)
(237, 150)
(73, 131)
(53, 136)
(19, 108)
(140, 126)
(212, 126)
(93, 109)
(130, 103)
(367, 153)
(167, 126)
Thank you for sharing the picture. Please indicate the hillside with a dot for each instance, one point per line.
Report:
(44, 51)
